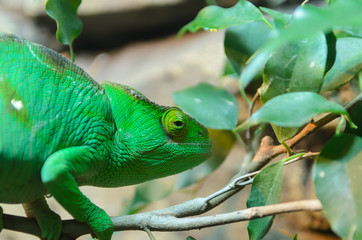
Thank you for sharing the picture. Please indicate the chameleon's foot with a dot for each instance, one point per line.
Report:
(49, 222)
(101, 225)
(50, 225)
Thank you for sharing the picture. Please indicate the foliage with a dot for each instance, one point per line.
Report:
(292, 110)
(311, 51)
(302, 59)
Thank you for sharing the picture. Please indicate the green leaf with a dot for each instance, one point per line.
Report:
(280, 20)
(265, 190)
(292, 110)
(337, 178)
(69, 26)
(212, 18)
(228, 69)
(284, 133)
(347, 64)
(222, 142)
(243, 40)
(306, 21)
(299, 66)
(212, 106)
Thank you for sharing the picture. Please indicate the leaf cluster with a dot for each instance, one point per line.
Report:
(299, 60)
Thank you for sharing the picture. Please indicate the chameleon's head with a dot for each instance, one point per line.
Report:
(153, 141)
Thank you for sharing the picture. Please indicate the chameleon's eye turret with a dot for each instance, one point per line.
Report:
(175, 123)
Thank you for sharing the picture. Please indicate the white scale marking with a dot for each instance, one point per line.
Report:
(17, 104)
(37, 57)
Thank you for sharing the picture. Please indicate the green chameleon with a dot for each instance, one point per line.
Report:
(59, 130)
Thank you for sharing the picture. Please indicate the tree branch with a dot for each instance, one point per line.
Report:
(158, 221)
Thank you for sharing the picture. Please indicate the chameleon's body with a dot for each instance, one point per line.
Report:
(59, 129)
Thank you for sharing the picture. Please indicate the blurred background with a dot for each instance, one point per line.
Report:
(134, 42)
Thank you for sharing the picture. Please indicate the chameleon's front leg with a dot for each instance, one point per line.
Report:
(59, 173)
(49, 222)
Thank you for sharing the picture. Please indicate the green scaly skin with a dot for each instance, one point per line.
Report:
(59, 130)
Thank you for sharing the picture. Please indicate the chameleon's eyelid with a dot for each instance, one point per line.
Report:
(175, 123)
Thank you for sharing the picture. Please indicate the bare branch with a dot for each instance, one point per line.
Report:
(158, 221)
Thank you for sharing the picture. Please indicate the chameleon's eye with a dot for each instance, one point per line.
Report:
(175, 123)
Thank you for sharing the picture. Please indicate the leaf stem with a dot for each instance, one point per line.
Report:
(72, 55)
(240, 140)
(340, 124)
(289, 150)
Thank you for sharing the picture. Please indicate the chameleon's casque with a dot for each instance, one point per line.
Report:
(60, 129)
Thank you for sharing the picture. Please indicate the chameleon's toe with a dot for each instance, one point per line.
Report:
(50, 225)
(103, 234)
(49, 222)
(101, 225)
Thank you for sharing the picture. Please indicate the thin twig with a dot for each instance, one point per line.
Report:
(149, 233)
(251, 108)
(240, 181)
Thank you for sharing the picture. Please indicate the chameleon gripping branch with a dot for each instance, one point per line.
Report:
(60, 129)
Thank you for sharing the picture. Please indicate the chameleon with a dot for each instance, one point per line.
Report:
(60, 129)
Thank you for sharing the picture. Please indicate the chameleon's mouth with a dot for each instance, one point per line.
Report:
(198, 147)
(191, 148)
(207, 144)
